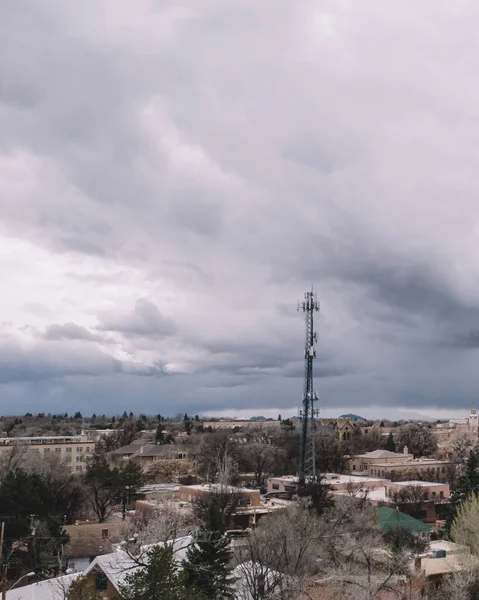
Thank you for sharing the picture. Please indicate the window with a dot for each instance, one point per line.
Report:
(354, 467)
(101, 582)
(79, 469)
(441, 495)
(68, 458)
(58, 450)
(79, 449)
(46, 450)
(88, 449)
(69, 449)
(289, 488)
(433, 495)
(79, 458)
(275, 486)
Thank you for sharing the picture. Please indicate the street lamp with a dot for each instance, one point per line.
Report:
(31, 574)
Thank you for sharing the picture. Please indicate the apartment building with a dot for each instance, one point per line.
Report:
(378, 458)
(430, 468)
(73, 450)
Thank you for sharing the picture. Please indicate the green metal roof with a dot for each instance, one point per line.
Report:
(390, 518)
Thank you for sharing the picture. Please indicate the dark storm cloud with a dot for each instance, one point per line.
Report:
(179, 176)
(45, 362)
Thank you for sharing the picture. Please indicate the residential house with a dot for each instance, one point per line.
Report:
(48, 589)
(88, 540)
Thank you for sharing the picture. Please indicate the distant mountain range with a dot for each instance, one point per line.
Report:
(352, 417)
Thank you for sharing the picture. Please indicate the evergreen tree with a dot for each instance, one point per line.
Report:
(160, 579)
(390, 443)
(159, 436)
(208, 559)
(130, 481)
(81, 589)
(466, 485)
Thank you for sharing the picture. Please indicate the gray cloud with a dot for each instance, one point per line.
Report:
(144, 321)
(69, 331)
(204, 165)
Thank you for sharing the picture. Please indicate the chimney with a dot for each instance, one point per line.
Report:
(406, 450)
(141, 450)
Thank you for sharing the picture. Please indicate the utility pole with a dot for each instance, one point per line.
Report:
(3, 562)
(308, 412)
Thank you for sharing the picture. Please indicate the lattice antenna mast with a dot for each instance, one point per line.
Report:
(308, 412)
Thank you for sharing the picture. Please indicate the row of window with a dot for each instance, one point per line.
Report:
(69, 450)
(433, 494)
(287, 488)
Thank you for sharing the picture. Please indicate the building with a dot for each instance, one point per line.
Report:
(432, 490)
(241, 423)
(109, 572)
(48, 589)
(418, 468)
(469, 423)
(88, 540)
(125, 451)
(149, 453)
(443, 558)
(190, 493)
(379, 458)
(72, 450)
(288, 483)
(343, 428)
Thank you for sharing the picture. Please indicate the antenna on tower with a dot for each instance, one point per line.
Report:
(308, 412)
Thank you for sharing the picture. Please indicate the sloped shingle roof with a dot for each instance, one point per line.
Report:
(382, 454)
(50, 589)
(390, 518)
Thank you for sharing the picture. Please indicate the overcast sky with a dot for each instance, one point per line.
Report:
(174, 176)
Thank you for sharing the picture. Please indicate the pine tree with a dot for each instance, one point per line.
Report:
(390, 443)
(160, 436)
(160, 579)
(208, 559)
(81, 589)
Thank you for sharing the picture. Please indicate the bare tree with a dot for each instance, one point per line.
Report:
(461, 444)
(280, 556)
(13, 459)
(462, 584)
(411, 499)
(418, 438)
(164, 523)
(129, 432)
(211, 454)
(261, 458)
(356, 557)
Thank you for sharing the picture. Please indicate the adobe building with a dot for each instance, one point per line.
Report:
(381, 459)
(190, 493)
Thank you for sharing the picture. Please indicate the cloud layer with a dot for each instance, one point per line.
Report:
(174, 175)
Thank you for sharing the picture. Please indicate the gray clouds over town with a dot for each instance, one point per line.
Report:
(174, 175)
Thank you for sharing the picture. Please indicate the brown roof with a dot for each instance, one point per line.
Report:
(127, 450)
(93, 539)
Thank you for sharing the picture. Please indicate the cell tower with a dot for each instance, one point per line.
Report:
(308, 412)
